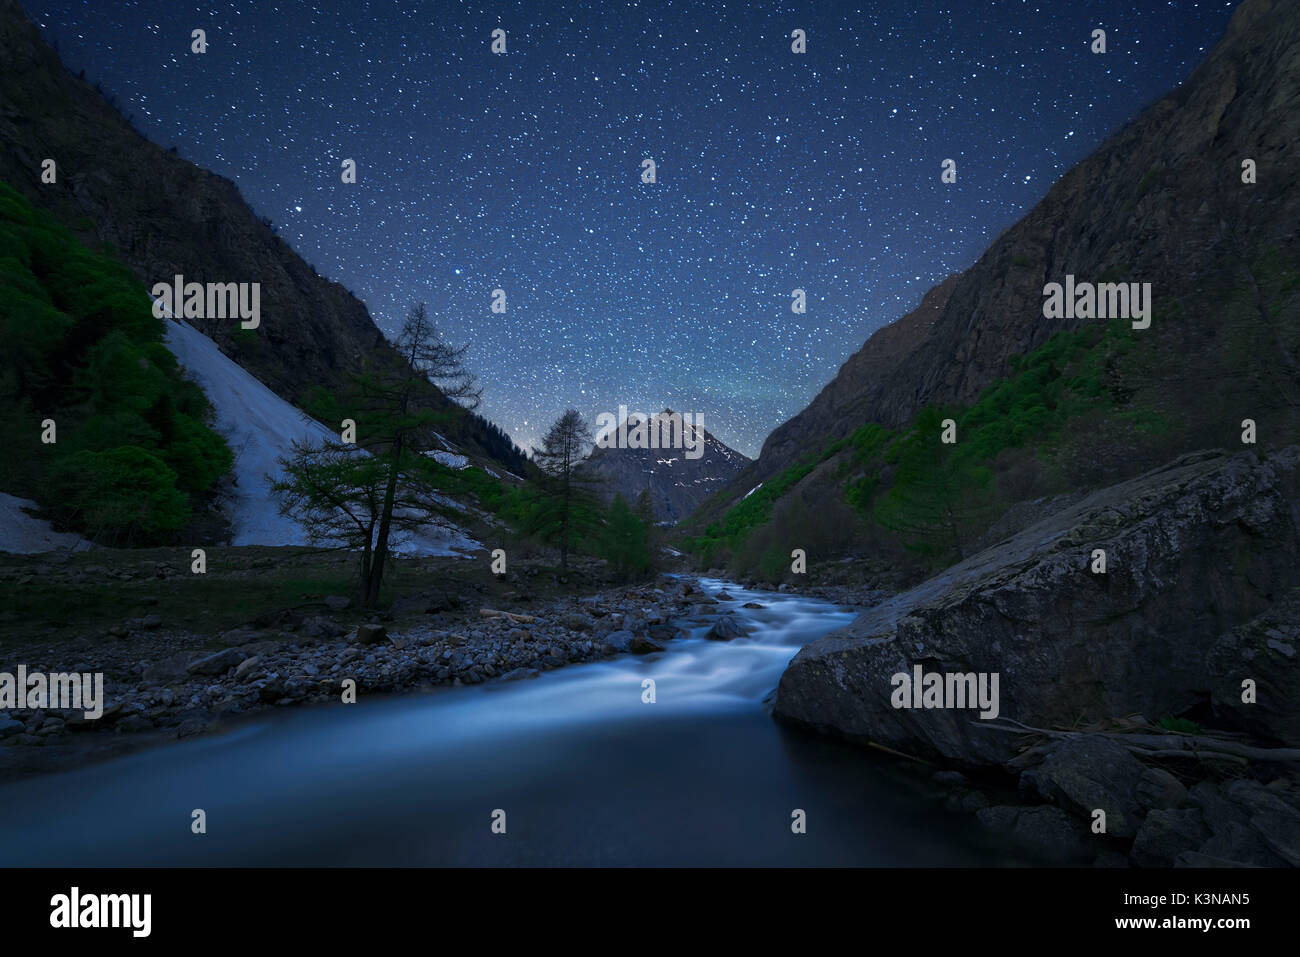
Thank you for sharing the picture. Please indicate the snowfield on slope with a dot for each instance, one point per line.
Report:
(24, 535)
(260, 427)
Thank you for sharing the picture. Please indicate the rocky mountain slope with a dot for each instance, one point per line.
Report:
(165, 216)
(677, 483)
(1161, 201)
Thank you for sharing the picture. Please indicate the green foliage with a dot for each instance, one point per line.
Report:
(122, 496)
(1179, 725)
(644, 510)
(941, 496)
(83, 348)
(751, 512)
(625, 540)
(538, 510)
(922, 501)
(364, 496)
(721, 539)
(566, 511)
(869, 444)
(476, 485)
(935, 499)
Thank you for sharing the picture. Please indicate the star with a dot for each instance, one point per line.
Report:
(522, 171)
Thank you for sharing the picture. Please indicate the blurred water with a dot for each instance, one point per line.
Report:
(586, 772)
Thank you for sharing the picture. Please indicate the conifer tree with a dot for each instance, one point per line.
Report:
(361, 495)
(937, 496)
(566, 510)
(626, 539)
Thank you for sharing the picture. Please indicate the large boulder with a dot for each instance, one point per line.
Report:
(1193, 550)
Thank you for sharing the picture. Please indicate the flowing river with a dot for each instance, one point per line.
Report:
(584, 769)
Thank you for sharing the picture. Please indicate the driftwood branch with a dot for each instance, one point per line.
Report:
(493, 613)
(1180, 753)
(897, 754)
(1199, 746)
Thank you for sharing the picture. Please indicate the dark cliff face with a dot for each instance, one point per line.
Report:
(1161, 201)
(677, 484)
(165, 216)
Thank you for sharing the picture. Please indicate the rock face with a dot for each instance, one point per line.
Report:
(677, 484)
(1193, 551)
(1160, 201)
(1265, 650)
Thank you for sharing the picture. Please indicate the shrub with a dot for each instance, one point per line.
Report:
(122, 496)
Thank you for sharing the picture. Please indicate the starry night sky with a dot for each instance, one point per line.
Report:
(776, 171)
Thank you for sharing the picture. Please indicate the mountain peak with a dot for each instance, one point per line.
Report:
(678, 479)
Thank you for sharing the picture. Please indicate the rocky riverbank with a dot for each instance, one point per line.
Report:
(165, 684)
(1163, 691)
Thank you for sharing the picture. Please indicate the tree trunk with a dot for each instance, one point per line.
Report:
(365, 563)
(385, 521)
(564, 528)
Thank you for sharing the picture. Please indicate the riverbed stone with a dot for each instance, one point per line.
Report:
(134, 723)
(1157, 788)
(247, 667)
(218, 663)
(319, 626)
(620, 641)
(1045, 829)
(1086, 773)
(1165, 834)
(371, 633)
(726, 628)
(576, 621)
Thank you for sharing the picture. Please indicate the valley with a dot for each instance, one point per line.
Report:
(1018, 585)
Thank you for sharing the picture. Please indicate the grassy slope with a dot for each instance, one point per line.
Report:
(1083, 410)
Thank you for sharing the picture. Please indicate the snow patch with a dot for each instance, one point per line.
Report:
(260, 428)
(25, 535)
(451, 459)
